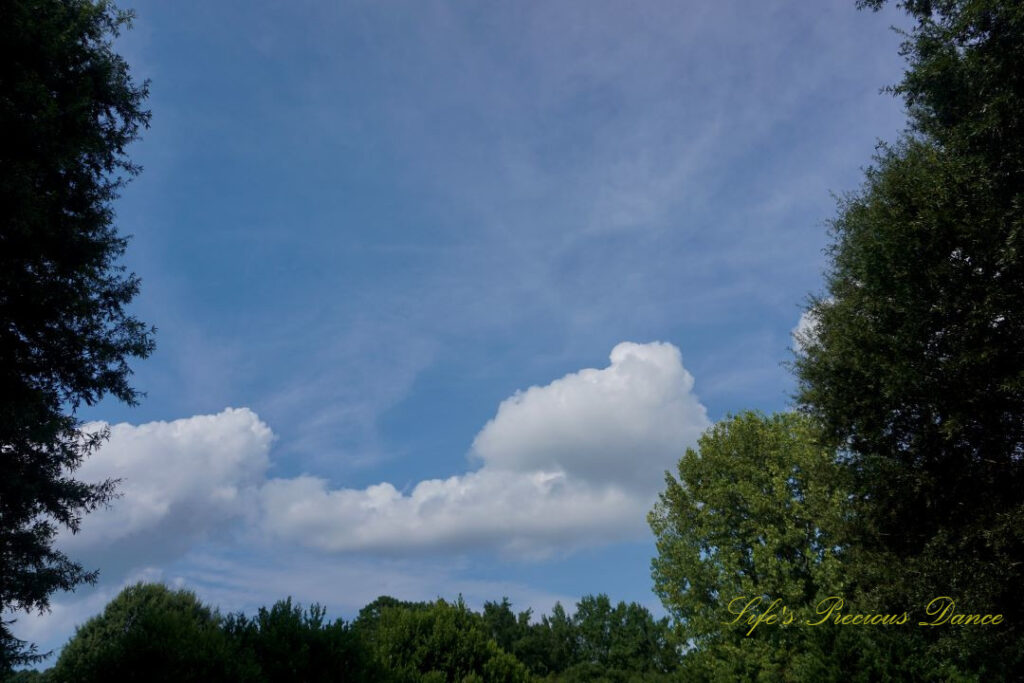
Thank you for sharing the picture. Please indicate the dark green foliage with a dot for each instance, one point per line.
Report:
(916, 368)
(286, 643)
(68, 111)
(599, 642)
(27, 676)
(757, 512)
(622, 639)
(964, 86)
(369, 616)
(151, 633)
(515, 634)
(935, 429)
(556, 641)
(502, 625)
(438, 641)
(751, 513)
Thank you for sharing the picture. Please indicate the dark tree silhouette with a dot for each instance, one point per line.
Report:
(916, 366)
(68, 110)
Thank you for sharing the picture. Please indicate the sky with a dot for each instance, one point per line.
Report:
(442, 289)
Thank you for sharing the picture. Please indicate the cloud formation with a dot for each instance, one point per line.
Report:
(574, 463)
(622, 425)
(531, 513)
(181, 482)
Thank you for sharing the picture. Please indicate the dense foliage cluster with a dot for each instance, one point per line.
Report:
(755, 522)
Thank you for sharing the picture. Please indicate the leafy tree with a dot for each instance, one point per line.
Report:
(367, 623)
(68, 111)
(916, 366)
(600, 642)
(754, 515)
(560, 639)
(151, 633)
(501, 624)
(547, 647)
(620, 643)
(436, 642)
(535, 645)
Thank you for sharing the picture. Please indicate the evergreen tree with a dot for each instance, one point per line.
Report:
(68, 111)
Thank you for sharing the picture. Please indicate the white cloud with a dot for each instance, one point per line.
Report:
(574, 463)
(621, 425)
(570, 464)
(180, 482)
(519, 513)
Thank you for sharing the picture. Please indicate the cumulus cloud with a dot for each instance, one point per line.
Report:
(180, 482)
(519, 513)
(571, 464)
(576, 462)
(622, 425)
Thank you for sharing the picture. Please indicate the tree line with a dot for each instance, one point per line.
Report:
(153, 633)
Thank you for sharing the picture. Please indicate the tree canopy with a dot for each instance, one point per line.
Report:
(152, 633)
(288, 643)
(438, 641)
(749, 515)
(753, 545)
(68, 110)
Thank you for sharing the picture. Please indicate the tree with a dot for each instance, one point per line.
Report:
(501, 624)
(600, 642)
(755, 515)
(619, 643)
(68, 111)
(437, 641)
(562, 645)
(151, 633)
(287, 643)
(916, 366)
(549, 646)
(27, 676)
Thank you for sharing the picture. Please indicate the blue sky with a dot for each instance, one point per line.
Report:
(470, 277)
